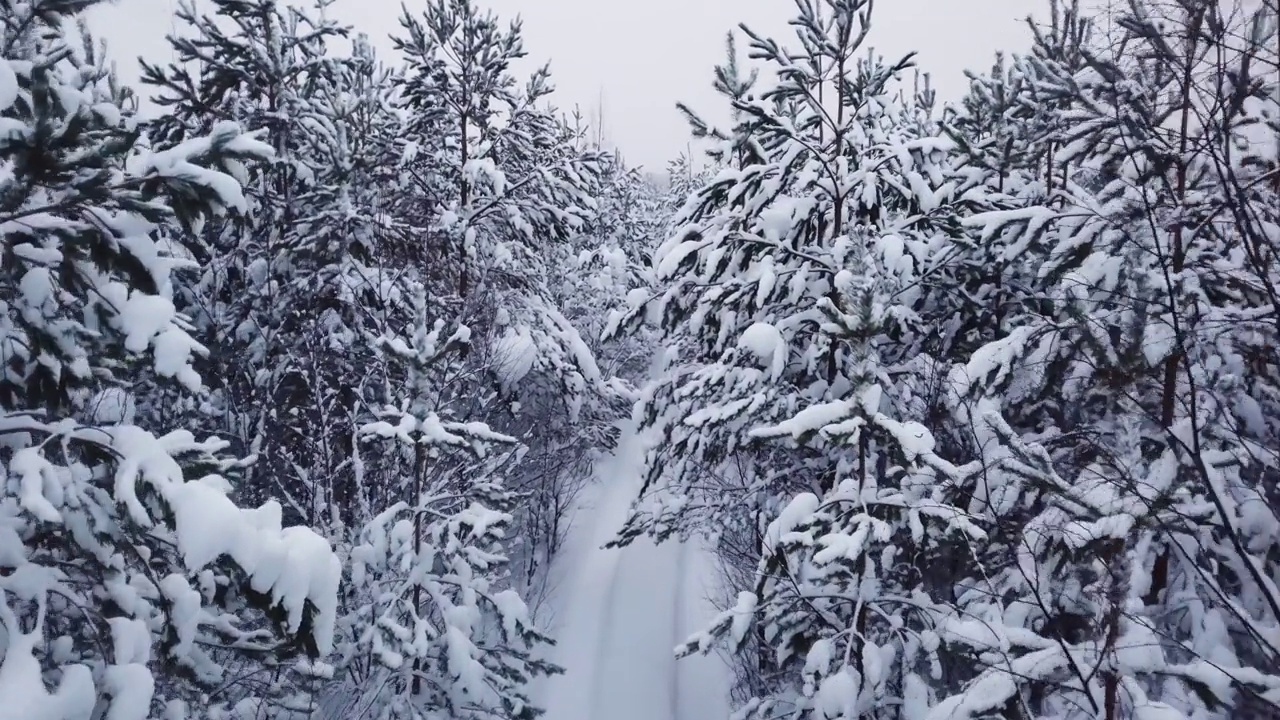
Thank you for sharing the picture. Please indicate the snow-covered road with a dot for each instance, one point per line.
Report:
(620, 613)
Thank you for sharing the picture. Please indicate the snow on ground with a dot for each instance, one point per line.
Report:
(619, 615)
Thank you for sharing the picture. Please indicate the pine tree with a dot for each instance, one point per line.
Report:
(502, 190)
(1134, 580)
(428, 608)
(264, 66)
(787, 299)
(127, 575)
(353, 252)
(733, 147)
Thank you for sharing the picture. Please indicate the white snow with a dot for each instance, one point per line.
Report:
(811, 419)
(797, 511)
(22, 684)
(176, 162)
(621, 613)
(766, 342)
(668, 260)
(293, 564)
(8, 86)
(111, 406)
(515, 355)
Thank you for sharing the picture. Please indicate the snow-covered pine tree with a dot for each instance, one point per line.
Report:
(1122, 418)
(995, 167)
(734, 146)
(989, 126)
(500, 188)
(502, 176)
(605, 264)
(350, 272)
(612, 257)
(680, 180)
(432, 626)
(786, 304)
(127, 575)
(264, 65)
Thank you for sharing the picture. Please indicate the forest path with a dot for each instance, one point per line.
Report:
(619, 613)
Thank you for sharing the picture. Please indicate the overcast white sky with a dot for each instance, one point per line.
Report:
(647, 54)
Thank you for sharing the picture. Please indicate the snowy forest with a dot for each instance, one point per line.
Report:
(972, 408)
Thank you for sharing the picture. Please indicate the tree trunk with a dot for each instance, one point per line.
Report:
(419, 469)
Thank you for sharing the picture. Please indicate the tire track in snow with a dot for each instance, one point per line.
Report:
(604, 633)
(588, 575)
(610, 502)
(625, 611)
(706, 679)
(677, 626)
